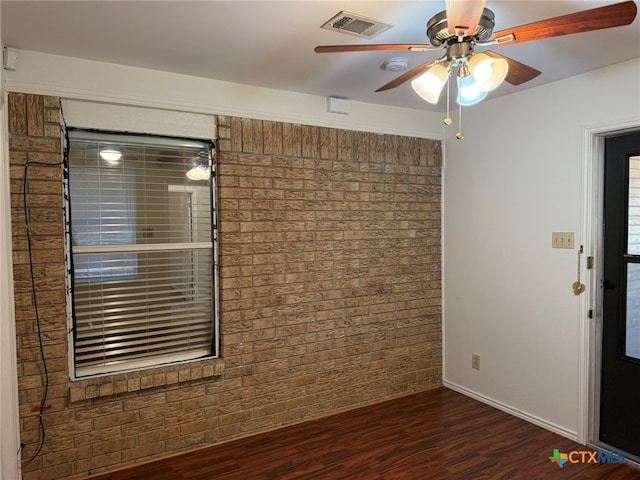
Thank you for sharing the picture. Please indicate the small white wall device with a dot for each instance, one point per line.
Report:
(338, 105)
(9, 59)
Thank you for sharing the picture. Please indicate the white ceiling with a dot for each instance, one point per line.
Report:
(270, 44)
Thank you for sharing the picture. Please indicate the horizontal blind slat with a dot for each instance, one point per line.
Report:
(131, 322)
(119, 343)
(119, 348)
(139, 247)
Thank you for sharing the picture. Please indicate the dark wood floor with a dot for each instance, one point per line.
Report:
(439, 434)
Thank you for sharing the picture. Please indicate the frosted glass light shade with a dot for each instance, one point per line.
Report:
(489, 72)
(469, 91)
(429, 84)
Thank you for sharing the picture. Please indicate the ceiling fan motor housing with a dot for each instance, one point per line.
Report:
(438, 28)
(457, 51)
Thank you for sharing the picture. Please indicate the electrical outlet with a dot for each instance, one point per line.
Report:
(475, 361)
(563, 239)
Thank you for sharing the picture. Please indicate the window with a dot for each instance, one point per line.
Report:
(141, 237)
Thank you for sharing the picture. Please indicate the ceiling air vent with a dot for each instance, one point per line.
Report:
(356, 25)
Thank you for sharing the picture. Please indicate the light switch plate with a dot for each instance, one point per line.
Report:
(563, 239)
(475, 361)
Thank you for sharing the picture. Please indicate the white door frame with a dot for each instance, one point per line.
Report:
(590, 329)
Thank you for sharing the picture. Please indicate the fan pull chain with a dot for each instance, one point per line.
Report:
(460, 135)
(447, 121)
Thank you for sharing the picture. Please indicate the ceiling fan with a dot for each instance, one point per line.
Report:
(466, 24)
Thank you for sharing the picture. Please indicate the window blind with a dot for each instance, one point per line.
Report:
(141, 237)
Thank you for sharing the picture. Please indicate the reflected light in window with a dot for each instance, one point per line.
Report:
(111, 156)
(198, 173)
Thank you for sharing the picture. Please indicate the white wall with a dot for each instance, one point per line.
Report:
(516, 177)
(81, 79)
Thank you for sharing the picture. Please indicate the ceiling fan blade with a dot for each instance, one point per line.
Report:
(463, 15)
(372, 47)
(609, 16)
(518, 72)
(407, 76)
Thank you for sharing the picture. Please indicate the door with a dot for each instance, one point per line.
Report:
(620, 381)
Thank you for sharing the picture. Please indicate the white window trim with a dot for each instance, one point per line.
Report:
(121, 118)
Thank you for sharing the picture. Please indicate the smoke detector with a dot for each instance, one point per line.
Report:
(355, 24)
(396, 64)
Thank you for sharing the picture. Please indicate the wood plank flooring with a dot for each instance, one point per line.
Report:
(438, 434)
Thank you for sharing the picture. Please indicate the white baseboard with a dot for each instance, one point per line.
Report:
(513, 411)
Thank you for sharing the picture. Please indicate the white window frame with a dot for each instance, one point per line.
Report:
(158, 360)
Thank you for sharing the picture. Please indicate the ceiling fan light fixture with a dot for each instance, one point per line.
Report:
(430, 84)
(469, 91)
(488, 72)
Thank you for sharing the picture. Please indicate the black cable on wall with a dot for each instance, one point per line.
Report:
(42, 407)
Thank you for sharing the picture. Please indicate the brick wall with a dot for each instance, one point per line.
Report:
(330, 293)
